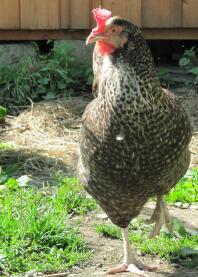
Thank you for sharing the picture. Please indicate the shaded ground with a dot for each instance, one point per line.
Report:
(45, 140)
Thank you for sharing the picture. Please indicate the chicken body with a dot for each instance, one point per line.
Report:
(135, 135)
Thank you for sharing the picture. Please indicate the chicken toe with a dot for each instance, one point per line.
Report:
(131, 264)
(160, 217)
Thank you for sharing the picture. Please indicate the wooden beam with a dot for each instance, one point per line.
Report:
(9, 35)
(150, 34)
(171, 34)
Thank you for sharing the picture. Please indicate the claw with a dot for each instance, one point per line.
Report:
(131, 268)
(131, 264)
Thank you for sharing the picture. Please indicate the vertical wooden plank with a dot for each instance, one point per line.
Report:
(128, 9)
(93, 4)
(190, 13)
(79, 14)
(65, 13)
(40, 14)
(9, 14)
(160, 13)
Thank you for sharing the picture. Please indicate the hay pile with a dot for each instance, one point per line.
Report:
(45, 137)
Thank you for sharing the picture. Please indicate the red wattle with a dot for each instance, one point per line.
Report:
(105, 48)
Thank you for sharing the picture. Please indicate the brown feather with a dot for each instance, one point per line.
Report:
(135, 135)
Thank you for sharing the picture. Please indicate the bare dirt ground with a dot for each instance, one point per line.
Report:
(45, 138)
(108, 252)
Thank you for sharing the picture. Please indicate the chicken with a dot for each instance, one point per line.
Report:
(135, 135)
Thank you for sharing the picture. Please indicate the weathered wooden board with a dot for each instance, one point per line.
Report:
(190, 13)
(79, 14)
(9, 14)
(65, 13)
(129, 9)
(151, 34)
(40, 14)
(161, 13)
(93, 4)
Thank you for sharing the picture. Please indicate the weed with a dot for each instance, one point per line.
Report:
(57, 74)
(186, 191)
(189, 62)
(108, 230)
(71, 196)
(34, 227)
(165, 78)
(6, 146)
(3, 112)
(166, 245)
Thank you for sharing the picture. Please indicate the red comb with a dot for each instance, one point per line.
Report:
(101, 16)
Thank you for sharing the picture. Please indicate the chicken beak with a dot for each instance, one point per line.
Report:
(93, 38)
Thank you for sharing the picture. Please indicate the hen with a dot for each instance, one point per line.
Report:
(134, 136)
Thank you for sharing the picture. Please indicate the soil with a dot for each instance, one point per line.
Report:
(46, 140)
(109, 252)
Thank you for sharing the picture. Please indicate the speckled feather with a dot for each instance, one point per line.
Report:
(135, 135)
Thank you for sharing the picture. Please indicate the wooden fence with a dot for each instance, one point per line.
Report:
(157, 18)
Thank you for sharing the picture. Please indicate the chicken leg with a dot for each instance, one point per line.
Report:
(130, 264)
(160, 216)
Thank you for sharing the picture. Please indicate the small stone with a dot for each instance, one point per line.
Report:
(102, 216)
(139, 253)
(99, 265)
(194, 207)
(185, 206)
(175, 265)
(178, 204)
(30, 273)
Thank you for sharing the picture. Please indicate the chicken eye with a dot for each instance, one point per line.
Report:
(113, 30)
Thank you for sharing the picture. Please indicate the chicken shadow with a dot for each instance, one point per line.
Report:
(41, 169)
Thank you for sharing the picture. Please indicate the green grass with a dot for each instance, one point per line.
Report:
(166, 246)
(35, 231)
(108, 230)
(6, 146)
(186, 191)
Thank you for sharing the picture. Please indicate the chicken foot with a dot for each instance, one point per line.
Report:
(131, 264)
(160, 216)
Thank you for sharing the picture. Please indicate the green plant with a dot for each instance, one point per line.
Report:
(167, 245)
(189, 62)
(186, 191)
(108, 230)
(57, 74)
(71, 196)
(3, 112)
(35, 228)
(165, 77)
